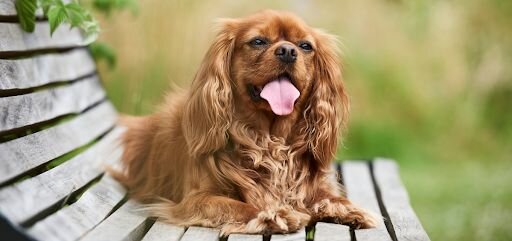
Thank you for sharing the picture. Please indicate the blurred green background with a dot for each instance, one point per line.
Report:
(430, 84)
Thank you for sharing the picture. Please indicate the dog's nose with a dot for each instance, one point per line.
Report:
(286, 53)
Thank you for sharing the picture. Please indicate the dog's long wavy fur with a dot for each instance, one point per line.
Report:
(202, 160)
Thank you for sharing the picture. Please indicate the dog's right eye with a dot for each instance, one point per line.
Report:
(258, 42)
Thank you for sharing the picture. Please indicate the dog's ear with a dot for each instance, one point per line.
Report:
(328, 107)
(208, 113)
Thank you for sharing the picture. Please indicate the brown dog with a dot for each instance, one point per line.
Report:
(248, 148)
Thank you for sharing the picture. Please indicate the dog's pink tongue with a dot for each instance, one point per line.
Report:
(281, 95)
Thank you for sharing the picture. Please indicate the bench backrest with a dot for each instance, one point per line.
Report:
(56, 127)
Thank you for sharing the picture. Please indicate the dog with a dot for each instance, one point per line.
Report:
(248, 147)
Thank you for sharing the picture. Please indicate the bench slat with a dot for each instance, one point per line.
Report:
(126, 223)
(360, 191)
(200, 233)
(73, 221)
(298, 236)
(7, 8)
(394, 196)
(25, 199)
(331, 232)
(45, 69)
(16, 39)
(25, 153)
(245, 237)
(22, 110)
(161, 231)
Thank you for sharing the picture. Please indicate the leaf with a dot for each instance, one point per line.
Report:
(26, 10)
(103, 5)
(76, 14)
(56, 15)
(103, 51)
(73, 13)
(46, 4)
(91, 29)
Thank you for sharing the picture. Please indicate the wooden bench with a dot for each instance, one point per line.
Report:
(57, 130)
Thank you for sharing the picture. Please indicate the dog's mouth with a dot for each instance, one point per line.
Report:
(279, 92)
(254, 92)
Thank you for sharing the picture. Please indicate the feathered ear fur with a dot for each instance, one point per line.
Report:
(208, 114)
(328, 108)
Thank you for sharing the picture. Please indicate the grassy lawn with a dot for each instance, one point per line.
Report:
(467, 201)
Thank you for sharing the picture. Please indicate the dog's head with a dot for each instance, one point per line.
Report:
(268, 62)
(273, 61)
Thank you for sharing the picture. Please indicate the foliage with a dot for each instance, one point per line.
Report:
(75, 15)
(27, 14)
(107, 6)
(57, 13)
(103, 51)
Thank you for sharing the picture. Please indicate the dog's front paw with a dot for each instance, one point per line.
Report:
(343, 212)
(280, 220)
(359, 218)
(294, 220)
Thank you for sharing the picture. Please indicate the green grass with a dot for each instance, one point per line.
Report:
(466, 201)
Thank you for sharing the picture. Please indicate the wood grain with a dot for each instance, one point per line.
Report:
(245, 237)
(394, 196)
(21, 110)
(73, 221)
(298, 236)
(161, 231)
(15, 39)
(331, 232)
(23, 154)
(29, 197)
(360, 191)
(126, 223)
(201, 234)
(7, 8)
(45, 69)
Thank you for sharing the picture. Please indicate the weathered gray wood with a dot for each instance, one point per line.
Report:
(360, 191)
(25, 199)
(73, 221)
(126, 223)
(7, 8)
(396, 201)
(161, 231)
(22, 154)
(245, 237)
(15, 39)
(298, 236)
(200, 233)
(331, 232)
(21, 110)
(44, 69)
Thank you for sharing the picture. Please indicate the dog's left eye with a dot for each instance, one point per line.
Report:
(258, 42)
(306, 46)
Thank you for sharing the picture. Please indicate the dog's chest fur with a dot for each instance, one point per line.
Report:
(277, 175)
